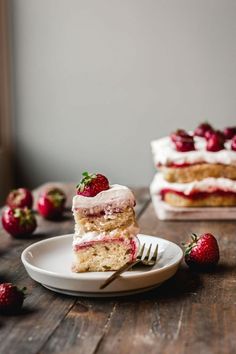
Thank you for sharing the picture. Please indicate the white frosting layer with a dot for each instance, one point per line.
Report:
(164, 153)
(116, 195)
(206, 185)
(132, 231)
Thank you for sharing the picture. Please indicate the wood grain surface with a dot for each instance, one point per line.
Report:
(190, 313)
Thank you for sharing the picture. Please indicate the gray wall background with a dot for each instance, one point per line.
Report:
(95, 81)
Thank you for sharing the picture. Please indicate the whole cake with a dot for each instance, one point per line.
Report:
(105, 225)
(196, 169)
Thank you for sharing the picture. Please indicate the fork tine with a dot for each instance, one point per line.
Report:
(148, 253)
(154, 256)
(140, 254)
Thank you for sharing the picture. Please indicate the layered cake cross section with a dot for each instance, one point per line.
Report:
(197, 164)
(105, 230)
(204, 193)
(196, 169)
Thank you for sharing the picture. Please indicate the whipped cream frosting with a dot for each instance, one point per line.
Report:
(164, 153)
(206, 185)
(131, 230)
(116, 195)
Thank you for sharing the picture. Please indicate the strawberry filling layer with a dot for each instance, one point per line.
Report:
(197, 194)
(179, 165)
(100, 213)
(129, 242)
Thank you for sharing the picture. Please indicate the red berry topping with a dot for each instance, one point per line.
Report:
(92, 184)
(229, 132)
(182, 140)
(202, 129)
(20, 198)
(215, 143)
(233, 144)
(19, 221)
(219, 133)
(178, 135)
(202, 252)
(51, 203)
(184, 145)
(208, 134)
(11, 298)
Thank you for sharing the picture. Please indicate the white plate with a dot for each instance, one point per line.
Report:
(49, 263)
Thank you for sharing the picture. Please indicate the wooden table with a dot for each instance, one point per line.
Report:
(191, 313)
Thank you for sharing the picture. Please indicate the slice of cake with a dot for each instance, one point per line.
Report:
(197, 168)
(182, 162)
(105, 225)
(207, 192)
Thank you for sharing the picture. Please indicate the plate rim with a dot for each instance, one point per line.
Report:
(99, 275)
(102, 293)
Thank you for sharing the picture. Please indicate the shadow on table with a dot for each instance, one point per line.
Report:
(183, 284)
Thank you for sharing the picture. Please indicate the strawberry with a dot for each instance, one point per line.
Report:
(20, 198)
(92, 184)
(233, 144)
(11, 298)
(18, 221)
(184, 145)
(202, 252)
(215, 142)
(218, 133)
(182, 140)
(202, 129)
(178, 134)
(51, 203)
(229, 132)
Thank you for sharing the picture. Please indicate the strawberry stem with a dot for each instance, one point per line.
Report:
(86, 180)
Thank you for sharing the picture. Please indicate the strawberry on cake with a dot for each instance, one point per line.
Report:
(196, 169)
(105, 225)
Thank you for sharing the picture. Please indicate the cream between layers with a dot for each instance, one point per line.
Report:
(116, 195)
(132, 231)
(206, 185)
(164, 153)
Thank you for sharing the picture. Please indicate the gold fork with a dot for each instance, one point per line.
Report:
(146, 261)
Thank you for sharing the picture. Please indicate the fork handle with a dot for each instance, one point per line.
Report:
(121, 270)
